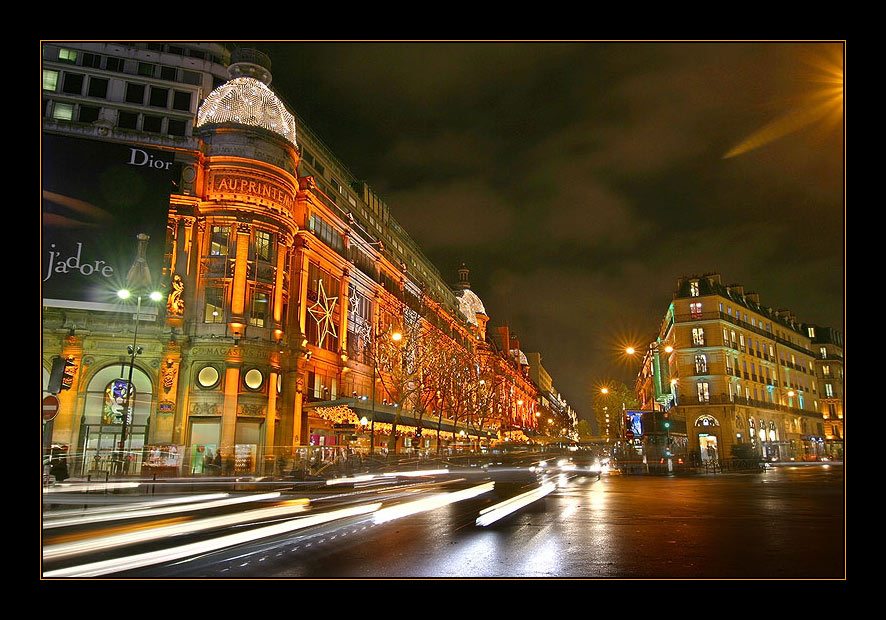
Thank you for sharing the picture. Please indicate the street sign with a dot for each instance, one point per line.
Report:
(629, 434)
(50, 407)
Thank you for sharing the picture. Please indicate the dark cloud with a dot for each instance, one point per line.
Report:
(579, 181)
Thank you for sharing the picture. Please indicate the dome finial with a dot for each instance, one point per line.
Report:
(249, 62)
(463, 274)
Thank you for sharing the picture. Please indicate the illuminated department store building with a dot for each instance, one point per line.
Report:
(276, 264)
(738, 378)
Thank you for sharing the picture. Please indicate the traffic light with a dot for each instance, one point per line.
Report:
(61, 377)
(70, 369)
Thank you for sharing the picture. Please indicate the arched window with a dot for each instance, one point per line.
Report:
(706, 421)
(110, 383)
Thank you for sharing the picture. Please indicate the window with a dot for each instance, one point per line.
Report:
(264, 242)
(88, 114)
(73, 83)
(181, 101)
(175, 128)
(92, 60)
(50, 79)
(146, 69)
(215, 305)
(826, 370)
(167, 73)
(135, 93)
(159, 97)
(704, 394)
(259, 312)
(127, 120)
(693, 288)
(326, 233)
(828, 390)
(63, 111)
(114, 64)
(98, 87)
(218, 241)
(811, 331)
(208, 377)
(824, 353)
(695, 310)
(152, 124)
(701, 364)
(191, 77)
(698, 336)
(66, 55)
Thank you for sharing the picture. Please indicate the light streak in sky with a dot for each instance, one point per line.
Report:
(824, 103)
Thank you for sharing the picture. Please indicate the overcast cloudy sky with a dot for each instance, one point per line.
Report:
(579, 181)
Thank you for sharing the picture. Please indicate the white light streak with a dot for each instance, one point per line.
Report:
(490, 515)
(417, 473)
(90, 486)
(105, 567)
(148, 509)
(165, 531)
(430, 503)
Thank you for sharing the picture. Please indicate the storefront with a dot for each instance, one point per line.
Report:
(108, 401)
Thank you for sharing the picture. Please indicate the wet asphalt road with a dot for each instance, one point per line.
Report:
(787, 522)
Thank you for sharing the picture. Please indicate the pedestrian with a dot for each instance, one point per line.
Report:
(59, 470)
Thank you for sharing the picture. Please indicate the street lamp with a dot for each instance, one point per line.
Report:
(134, 350)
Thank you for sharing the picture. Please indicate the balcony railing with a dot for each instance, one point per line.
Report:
(725, 399)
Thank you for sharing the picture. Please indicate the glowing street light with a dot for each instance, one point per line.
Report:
(133, 351)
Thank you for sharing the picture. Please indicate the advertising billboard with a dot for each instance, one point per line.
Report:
(104, 213)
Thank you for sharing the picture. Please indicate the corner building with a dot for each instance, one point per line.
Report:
(740, 380)
(279, 272)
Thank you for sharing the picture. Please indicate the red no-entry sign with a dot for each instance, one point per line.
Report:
(50, 407)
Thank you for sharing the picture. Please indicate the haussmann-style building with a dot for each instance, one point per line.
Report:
(736, 378)
(276, 312)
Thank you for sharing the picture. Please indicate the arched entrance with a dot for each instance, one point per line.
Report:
(708, 431)
(106, 403)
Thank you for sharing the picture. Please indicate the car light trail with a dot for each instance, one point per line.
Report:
(430, 503)
(421, 472)
(145, 532)
(148, 509)
(90, 486)
(492, 514)
(141, 560)
(354, 479)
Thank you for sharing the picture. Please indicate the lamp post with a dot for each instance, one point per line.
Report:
(134, 350)
(656, 347)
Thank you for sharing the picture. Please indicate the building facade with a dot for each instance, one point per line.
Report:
(736, 378)
(827, 344)
(297, 315)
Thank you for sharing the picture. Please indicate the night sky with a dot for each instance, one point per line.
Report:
(579, 181)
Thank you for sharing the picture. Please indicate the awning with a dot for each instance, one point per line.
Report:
(386, 413)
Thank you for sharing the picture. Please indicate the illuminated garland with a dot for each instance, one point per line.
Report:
(340, 414)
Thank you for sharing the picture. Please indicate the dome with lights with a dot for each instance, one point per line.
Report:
(247, 101)
(468, 302)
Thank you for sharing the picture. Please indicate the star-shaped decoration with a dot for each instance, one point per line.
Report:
(353, 302)
(322, 310)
